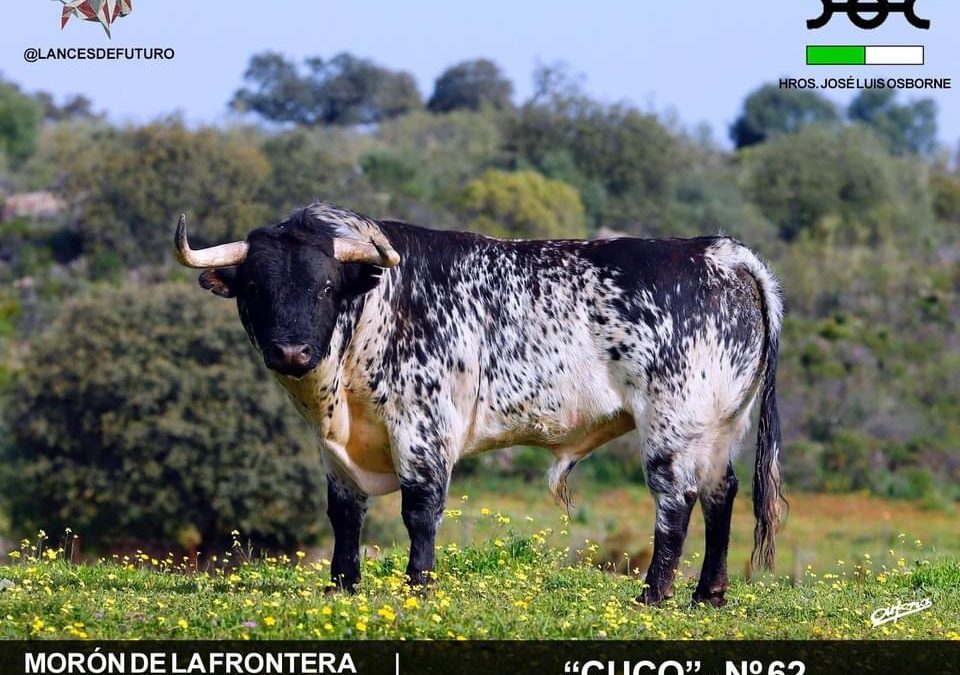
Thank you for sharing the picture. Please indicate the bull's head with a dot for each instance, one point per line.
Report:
(291, 280)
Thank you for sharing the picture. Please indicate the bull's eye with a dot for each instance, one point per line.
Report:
(328, 290)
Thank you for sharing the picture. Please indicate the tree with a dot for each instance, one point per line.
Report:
(771, 111)
(801, 181)
(282, 95)
(445, 151)
(344, 90)
(20, 119)
(129, 188)
(623, 161)
(77, 107)
(524, 205)
(304, 168)
(471, 85)
(556, 82)
(143, 413)
(910, 127)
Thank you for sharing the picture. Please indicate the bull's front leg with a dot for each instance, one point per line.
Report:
(346, 508)
(423, 493)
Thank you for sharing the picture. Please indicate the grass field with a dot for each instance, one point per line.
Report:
(511, 566)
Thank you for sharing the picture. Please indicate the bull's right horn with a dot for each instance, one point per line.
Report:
(224, 255)
(377, 251)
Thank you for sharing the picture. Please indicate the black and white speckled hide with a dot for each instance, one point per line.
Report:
(474, 343)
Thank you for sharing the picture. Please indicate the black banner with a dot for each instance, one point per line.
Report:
(479, 658)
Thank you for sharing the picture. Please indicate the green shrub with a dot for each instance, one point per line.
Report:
(946, 195)
(388, 171)
(128, 189)
(440, 153)
(306, 165)
(523, 205)
(841, 182)
(629, 159)
(9, 310)
(142, 415)
(20, 119)
(803, 466)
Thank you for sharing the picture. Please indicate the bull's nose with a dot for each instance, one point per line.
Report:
(291, 355)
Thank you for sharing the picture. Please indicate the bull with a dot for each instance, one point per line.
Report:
(408, 349)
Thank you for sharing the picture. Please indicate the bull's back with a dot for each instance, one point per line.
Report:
(539, 342)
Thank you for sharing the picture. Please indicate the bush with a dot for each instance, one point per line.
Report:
(626, 161)
(844, 182)
(946, 195)
(128, 190)
(20, 119)
(442, 151)
(142, 415)
(308, 165)
(388, 171)
(524, 205)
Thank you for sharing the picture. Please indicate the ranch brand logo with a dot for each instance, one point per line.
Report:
(880, 9)
(104, 12)
(867, 15)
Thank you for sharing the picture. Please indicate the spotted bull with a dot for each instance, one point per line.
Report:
(408, 349)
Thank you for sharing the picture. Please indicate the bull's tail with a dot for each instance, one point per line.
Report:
(767, 494)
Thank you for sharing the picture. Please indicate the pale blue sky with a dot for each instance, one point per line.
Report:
(694, 58)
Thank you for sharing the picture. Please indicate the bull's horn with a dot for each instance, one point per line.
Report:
(224, 255)
(377, 251)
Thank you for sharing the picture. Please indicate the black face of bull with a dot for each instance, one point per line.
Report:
(289, 291)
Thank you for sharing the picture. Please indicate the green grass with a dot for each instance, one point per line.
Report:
(519, 579)
(819, 531)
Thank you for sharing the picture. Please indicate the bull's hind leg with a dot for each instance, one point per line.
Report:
(675, 495)
(717, 505)
(423, 495)
(346, 509)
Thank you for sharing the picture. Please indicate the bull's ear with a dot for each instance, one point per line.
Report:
(359, 278)
(220, 282)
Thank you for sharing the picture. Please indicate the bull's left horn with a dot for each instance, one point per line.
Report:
(224, 255)
(378, 252)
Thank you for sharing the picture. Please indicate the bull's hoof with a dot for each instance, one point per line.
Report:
(712, 599)
(334, 587)
(653, 598)
(711, 594)
(421, 581)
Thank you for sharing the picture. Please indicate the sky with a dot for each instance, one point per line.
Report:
(694, 60)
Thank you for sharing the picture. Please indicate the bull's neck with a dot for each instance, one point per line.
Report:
(321, 394)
